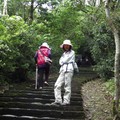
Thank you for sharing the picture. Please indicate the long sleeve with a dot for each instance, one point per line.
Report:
(67, 57)
(67, 61)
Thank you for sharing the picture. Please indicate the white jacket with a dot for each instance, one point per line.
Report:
(67, 61)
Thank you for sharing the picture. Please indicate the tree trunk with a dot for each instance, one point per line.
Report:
(116, 71)
(5, 8)
(97, 3)
(117, 60)
(92, 2)
(31, 11)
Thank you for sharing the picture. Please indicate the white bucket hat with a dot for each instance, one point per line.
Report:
(66, 42)
(45, 45)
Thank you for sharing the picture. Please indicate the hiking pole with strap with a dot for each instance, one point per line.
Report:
(36, 77)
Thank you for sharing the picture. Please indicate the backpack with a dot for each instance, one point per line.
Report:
(42, 56)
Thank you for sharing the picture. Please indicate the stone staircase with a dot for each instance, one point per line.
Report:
(31, 104)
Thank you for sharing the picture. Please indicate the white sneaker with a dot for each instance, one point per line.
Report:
(65, 104)
(40, 88)
(46, 83)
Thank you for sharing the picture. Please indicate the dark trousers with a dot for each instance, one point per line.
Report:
(43, 75)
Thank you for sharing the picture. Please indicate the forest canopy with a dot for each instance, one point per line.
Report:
(27, 24)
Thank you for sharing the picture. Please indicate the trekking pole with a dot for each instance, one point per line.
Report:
(36, 77)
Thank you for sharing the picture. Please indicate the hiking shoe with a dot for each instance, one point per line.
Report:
(40, 88)
(56, 103)
(46, 83)
(65, 104)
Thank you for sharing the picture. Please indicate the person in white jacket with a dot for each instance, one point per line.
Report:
(67, 63)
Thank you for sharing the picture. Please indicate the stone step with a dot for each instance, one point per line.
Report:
(40, 91)
(14, 117)
(43, 101)
(35, 96)
(49, 88)
(44, 90)
(39, 106)
(42, 113)
(30, 102)
(9, 117)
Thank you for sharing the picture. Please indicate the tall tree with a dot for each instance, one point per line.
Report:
(117, 57)
(31, 10)
(93, 2)
(5, 8)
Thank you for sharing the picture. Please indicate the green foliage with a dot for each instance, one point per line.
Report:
(99, 41)
(65, 25)
(102, 50)
(110, 86)
(85, 26)
(15, 48)
(104, 68)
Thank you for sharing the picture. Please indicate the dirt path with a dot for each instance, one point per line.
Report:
(97, 102)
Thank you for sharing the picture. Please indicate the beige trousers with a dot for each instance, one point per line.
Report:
(63, 79)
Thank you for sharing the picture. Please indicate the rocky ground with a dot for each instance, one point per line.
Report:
(97, 102)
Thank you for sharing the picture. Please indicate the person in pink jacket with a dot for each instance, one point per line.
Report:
(67, 63)
(41, 56)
